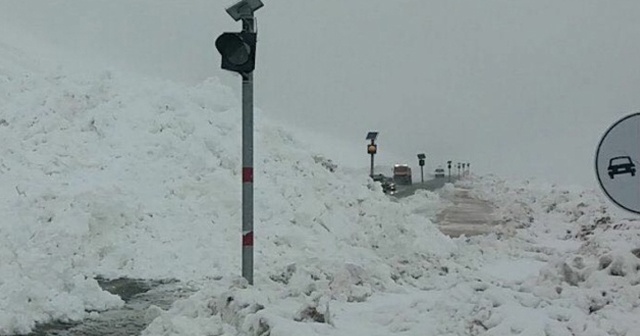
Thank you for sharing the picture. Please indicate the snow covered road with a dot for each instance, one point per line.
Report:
(467, 216)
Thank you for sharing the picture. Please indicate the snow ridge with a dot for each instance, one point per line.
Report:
(111, 175)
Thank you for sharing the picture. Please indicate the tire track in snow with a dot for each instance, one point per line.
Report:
(467, 216)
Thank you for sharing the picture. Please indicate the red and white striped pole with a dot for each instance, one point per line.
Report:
(248, 25)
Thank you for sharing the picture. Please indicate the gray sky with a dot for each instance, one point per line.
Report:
(517, 88)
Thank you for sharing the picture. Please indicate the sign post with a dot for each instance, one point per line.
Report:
(617, 163)
(372, 148)
(421, 158)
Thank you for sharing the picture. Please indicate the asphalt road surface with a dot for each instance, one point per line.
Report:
(130, 320)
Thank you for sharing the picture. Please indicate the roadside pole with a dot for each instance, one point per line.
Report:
(421, 158)
(372, 148)
(248, 25)
(238, 51)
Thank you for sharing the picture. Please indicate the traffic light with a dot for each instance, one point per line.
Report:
(421, 158)
(238, 51)
(372, 148)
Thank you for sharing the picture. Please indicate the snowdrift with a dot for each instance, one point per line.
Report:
(558, 264)
(108, 175)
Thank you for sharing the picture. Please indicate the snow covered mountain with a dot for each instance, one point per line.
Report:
(106, 174)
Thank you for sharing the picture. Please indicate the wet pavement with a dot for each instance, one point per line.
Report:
(131, 319)
(469, 216)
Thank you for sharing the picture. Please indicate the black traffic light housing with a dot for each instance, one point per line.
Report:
(372, 148)
(421, 158)
(449, 164)
(238, 51)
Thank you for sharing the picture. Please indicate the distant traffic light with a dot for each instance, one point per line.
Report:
(421, 158)
(372, 149)
(238, 51)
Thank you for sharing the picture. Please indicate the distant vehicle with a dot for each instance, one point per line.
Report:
(402, 174)
(439, 173)
(388, 186)
(621, 165)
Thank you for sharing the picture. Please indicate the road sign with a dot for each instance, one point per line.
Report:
(617, 160)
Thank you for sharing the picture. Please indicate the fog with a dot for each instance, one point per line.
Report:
(517, 88)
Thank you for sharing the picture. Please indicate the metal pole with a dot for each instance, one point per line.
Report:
(422, 174)
(371, 166)
(248, 25)
(372, 142)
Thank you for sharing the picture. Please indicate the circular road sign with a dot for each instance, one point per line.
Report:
(618, 161)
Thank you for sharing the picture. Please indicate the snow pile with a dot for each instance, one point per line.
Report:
(590, 283)
(498, 284)
(107, 175)
(520, 204)
(115, 176)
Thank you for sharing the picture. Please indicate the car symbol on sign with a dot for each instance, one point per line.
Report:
(621, 165)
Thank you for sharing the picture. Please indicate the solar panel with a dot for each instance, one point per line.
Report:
(372, 135)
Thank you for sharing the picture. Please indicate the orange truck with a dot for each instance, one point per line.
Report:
(402, 174)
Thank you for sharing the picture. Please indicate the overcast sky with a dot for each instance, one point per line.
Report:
(517, 88)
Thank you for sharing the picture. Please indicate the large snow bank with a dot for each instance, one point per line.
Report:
(589, 285)
(110, 175)
(524, 279)
(105, 174)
